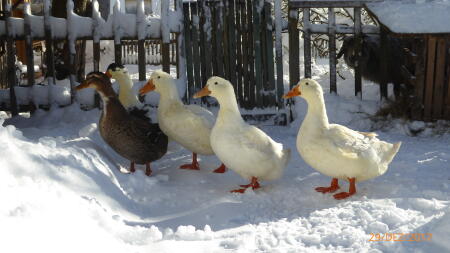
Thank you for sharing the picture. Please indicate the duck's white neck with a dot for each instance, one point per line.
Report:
(169, 96)
(316, 117)
(229, 110)
(126, 94)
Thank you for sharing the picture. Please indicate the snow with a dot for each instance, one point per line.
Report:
(413, 16)
(63, 189)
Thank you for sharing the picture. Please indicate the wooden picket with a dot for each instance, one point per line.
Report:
(237, 42)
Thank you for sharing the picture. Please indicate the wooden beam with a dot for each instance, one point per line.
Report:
(294, 48)
(328, 3)
(307, 42)
(431, 58)
(332, 49)
(439, 78)
(10, 51)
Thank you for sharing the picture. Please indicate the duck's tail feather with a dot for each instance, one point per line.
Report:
(392, 152)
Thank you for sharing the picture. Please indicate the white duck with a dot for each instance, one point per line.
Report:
(127, 97)
(336, 150)
(189, 125)
(241, 147)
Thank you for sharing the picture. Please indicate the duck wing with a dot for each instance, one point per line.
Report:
(344, 141)
(206, 116)
(147, 130)
(139, 113)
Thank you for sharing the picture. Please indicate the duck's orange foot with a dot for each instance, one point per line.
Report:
(326, 189)
(333, 187)
(238, 190)
(342, 195)
(193, 166)
(351, 190)
(221, 169)
(254, 184)
(148, 170)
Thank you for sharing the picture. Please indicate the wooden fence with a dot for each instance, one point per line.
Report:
(119, 26)
(235, 39)
(331, 29)
(153, 54)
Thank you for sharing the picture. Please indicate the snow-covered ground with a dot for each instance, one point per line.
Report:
(62, 190)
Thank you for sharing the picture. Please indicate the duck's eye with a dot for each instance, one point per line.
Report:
(215, 83)
(307, 83)
(159, 77)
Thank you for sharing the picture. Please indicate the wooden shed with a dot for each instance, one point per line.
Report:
(427, 23)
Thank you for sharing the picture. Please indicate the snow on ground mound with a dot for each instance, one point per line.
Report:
(62, 190)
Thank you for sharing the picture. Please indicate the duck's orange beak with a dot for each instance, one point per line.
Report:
(149, 86)
(108, 74)
(203, 92)
(295, 91)
(83, 85)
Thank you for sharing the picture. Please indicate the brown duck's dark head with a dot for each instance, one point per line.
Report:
(98, 81)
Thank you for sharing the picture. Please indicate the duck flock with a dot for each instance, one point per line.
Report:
(332, 149)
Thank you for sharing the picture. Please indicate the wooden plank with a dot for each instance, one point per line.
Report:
(329, 3)
(332, 49)
(141, 60)
(257, 10)
(188, 47)
(232, 44)
(439, 78)
(50, 57)
(343, 29)
(239, 56)
(245, 63)
(294, 48)
(165, 36)
(251, 87)
(279, 53)
(307, 42)
(96, 53)
(429, 79)
(218, 25)
(421, 50)
(10, 50)
(207, 34)
(202, 40)
(195, 47)
(384, 59)
(447, 98)
(269, 88)
(226, 40)
(181, 46)
(358, 39)
(28, 44)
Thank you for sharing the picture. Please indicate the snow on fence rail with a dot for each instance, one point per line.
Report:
(118, 26)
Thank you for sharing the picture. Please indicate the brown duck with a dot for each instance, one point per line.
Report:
(133, 138)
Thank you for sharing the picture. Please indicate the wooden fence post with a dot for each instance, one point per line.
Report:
(358, 39)
(141, 32)
(438, 97)
(307, 42)
(181, 48)
(71, 37)
(117, 30)
(257, 10)
(188, 45)
(269, 86)
(245, 62)
(28, 44)
(96, 19)
(294, 47)
(12, 81)
(50, 58)
(332, 49)
(279, 52)
(165, 35)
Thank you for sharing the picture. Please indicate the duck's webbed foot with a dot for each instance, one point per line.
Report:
(221, 169)
(254, 184)
(333, 187)
(191, 166)
(351, 190)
